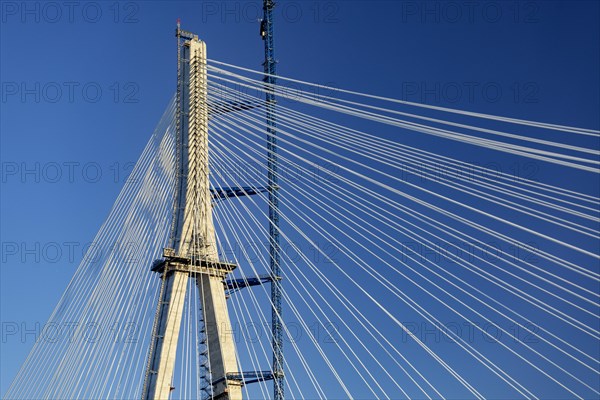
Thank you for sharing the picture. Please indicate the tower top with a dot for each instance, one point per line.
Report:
(183, 34)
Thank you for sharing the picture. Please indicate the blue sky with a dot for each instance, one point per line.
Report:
(83, 87)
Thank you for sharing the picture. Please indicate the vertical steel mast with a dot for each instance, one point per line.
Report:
(272, 184)
(192, 251)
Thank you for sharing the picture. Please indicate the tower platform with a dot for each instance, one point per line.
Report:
(195, 265)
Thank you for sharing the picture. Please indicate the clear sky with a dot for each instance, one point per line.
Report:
(84, 84)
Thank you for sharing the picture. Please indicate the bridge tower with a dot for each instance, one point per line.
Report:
(192, 253)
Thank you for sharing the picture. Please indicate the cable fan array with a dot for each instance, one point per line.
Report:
(410, 268)
(95, 342)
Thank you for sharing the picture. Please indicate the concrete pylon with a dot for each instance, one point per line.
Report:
(193, 253)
